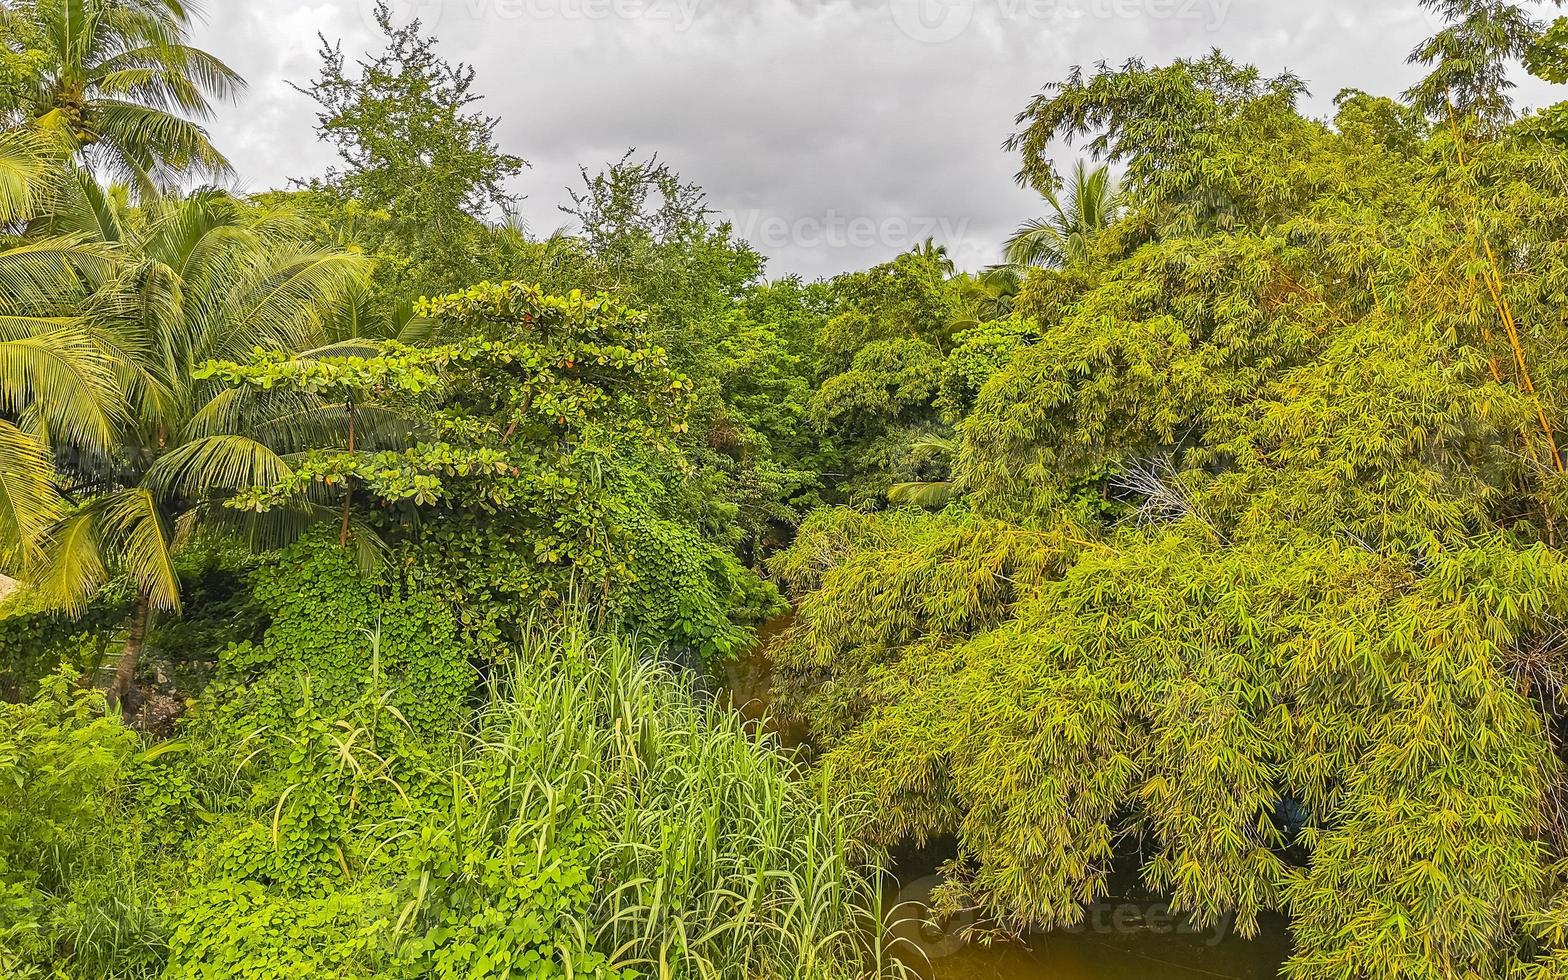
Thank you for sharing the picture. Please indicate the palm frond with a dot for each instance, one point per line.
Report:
(29, 503)
(140, 537)
(151, 148)
(287, 306)
(220, 462)
(51, 274)
(74, 569)
(1091, 204)
(62, 377)
(932, 495)
(28, 175)
(88, 210)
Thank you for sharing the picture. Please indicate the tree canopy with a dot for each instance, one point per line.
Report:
(390, 574)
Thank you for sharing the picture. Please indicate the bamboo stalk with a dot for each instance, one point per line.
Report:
(1494, 284)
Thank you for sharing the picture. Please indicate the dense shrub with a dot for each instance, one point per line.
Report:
(63, 841)
(597, 817)
(335, 632)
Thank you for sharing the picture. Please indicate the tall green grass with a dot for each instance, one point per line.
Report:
(717, 860)
(598, 816)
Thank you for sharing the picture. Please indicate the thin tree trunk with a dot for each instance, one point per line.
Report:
(135, 639)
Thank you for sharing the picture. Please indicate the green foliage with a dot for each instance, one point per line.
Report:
(236, 929)
(61, 763)
(1256, 573)
(517, 891)
(647, 230)
(647, 235)
(335, 634)
(293, 875)
(552, 422)
(656, 577)
(880, 360)
(908, 297)
(1469, 57)
(597, 818)
(118, 83)
(144, 448)
(421, 170)
(37, 639)
(888, 381)
(978, 354)
(1245, 494)
(1547, 55)
(875, 586)
(757, 452)
(1174, 692)
(726, 863)
(684, 591)
(1288, 369)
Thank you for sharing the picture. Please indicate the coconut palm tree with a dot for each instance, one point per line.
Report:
(202, 277)
(987, 296)
(930, 494)
(123, 87)
(57, 391)
(936, 255)
(1092, 203)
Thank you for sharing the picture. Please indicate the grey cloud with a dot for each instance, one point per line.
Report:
(796, 115)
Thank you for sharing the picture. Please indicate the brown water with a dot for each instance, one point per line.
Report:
(1066, 957)
(749, 683)
(1119, 940)
(1131, 936)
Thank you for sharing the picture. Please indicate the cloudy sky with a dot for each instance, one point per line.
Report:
(834, 133)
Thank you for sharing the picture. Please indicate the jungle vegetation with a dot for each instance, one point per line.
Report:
(379, 559)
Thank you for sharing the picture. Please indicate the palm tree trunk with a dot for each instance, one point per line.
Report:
(135, 639)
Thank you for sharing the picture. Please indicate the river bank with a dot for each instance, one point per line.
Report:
(1129, 935)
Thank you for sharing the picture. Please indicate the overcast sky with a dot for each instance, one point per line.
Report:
(834, 133)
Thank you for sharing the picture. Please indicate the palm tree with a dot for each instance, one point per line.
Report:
(936, 255)
(203, 277)
(1063, 237)
(986, 297)
(930, 494)
(122, 86)
(57, 390)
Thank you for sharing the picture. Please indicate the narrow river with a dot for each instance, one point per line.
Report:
(1130, 936)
